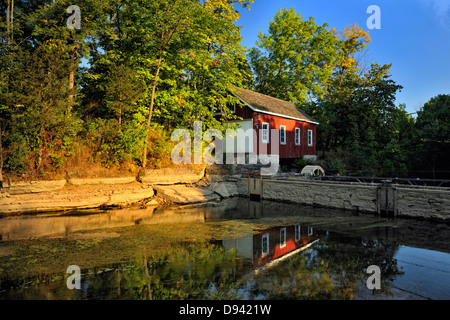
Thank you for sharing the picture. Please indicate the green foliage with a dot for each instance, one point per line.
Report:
(324, 73)
(173, 59)
(431, 138)
(296, 58)
(335, 164)
(300, 163)
(154, 66)
(160, 147)
(17, 153)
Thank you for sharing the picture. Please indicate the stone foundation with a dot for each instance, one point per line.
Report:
(417, 202)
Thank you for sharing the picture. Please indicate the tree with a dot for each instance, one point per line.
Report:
(187, 54)
(364, 129)
(295, 59)
(152, 64)
(122, 90)
(320, 71)
(50, 24)
(396, 152)
(432, 136)
(164, 20)
(10, 21)
(332, 109)
(36, 105)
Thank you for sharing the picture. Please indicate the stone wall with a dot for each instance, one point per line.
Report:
(325, 194)
(423, 202)
(411, 201)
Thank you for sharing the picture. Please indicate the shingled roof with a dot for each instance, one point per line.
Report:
(266, 104)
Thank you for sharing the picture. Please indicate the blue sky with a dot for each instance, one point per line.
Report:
(414, 37)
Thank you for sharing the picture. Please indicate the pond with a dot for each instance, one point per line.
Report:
(234, 249)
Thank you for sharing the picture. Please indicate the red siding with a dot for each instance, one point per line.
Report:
(290, 149)
(244, 112)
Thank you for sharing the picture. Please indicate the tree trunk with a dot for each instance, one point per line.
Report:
(152, 100)
(120, 118)
(12, 21)
(118, 282)
(73, 67)
(148, 279)
(9, 21)
(1, 158)
(71, 80)
(8, 8)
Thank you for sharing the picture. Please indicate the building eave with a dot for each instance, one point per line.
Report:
(272, 113)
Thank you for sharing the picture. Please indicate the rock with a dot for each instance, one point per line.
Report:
(101, 181)
(127, 197)
(171, 176)
(34, 186)
(152, 202)
(224, 189)
(220, 189)
(70, 200)
(182, 194)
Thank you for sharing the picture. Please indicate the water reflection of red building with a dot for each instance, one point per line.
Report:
(276, 242)
(272, 243)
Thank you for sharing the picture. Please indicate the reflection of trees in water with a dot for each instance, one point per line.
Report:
(195, 272)
(332, 269)
(189, 271)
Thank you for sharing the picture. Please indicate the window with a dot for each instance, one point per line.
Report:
(310, 231)
(265, 132)
(265, 244)
(297, 232)
(282, 134)
(282, 237)
(297, 136)
(233, 108)
(310, 138)
(217, 110)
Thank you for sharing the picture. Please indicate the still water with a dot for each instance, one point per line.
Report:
(235, 249)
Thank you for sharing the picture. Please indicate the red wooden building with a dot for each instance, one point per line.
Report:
(297, 135)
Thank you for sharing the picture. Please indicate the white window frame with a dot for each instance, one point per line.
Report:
(310, 231)
(298, 232)
(297, 135)
(233, 108)
(265, 252)
(283, 239)
(266, 140)
(310, 138)
(217, 111)
(283, 128)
